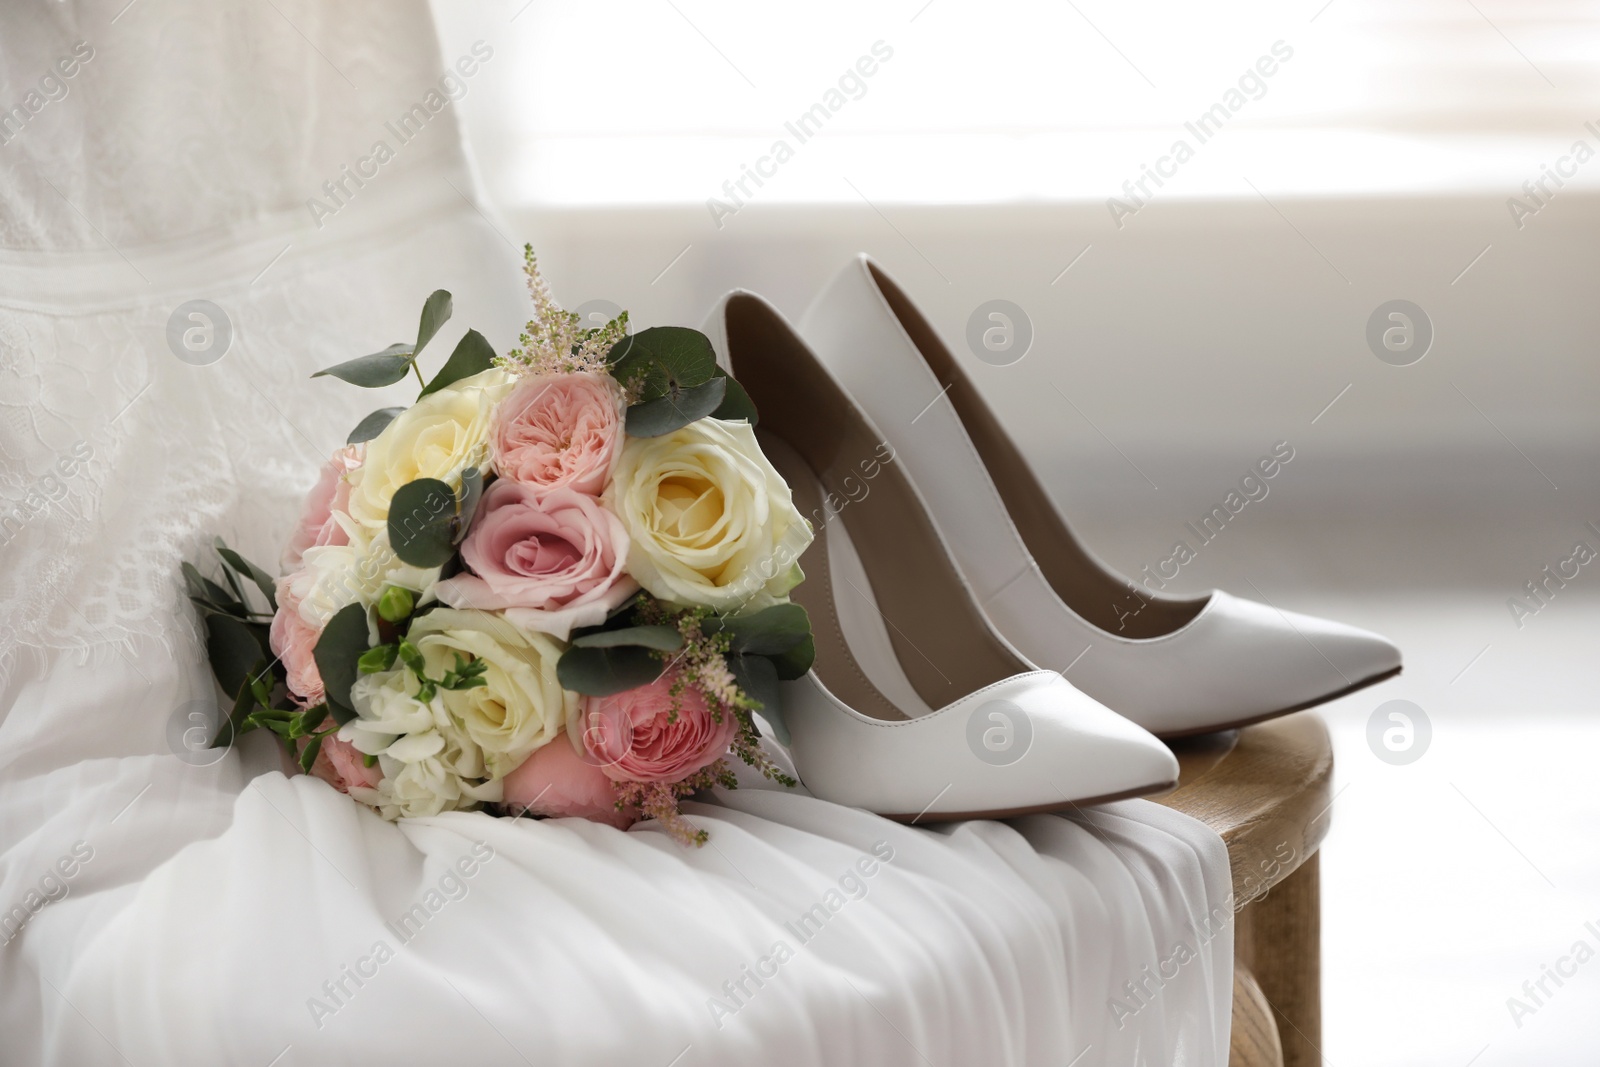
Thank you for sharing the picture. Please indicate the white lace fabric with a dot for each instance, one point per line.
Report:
(130, 195)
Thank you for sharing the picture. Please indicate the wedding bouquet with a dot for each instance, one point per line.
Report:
(557, 584)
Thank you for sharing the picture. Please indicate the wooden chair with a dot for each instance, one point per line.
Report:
(1265, 789)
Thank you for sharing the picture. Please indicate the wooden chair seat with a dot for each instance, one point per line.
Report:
(1266, 790)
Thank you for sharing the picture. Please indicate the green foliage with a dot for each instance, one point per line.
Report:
(237, 643)
(677, 409)
(422, 517)
(372, 425)
(338, 654)
(473, 355)
(466, 674)
(736, 403)
(373, 371)
(237, 564)
(436, 311)
(674, 376)
(758, 678)
(663, 357)
(634, 647)
(389, 366)
(599, 672)
(781, 633)
(660, 638)
(233, 649)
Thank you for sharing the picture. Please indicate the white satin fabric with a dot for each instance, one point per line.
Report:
(153, 912)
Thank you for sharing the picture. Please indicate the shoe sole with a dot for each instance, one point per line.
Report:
(1238, 724)
(1037, 809)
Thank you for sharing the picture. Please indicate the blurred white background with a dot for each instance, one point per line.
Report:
(1377, 161)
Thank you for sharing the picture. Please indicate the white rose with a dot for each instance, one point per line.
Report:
(520, 707)
(439, 436)
(711, 522)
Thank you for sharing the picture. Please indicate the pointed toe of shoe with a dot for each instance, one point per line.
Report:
(1358, 656)
(1106, 755)
(1314, 659)
(1031, 743)
(1252, 661)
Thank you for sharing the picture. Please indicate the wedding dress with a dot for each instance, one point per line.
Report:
(298, 166)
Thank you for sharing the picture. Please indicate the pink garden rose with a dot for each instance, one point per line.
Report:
(556, 781)
(630, 735)
(559, 431)
(341, 766)
(331, 493)
(551, 560)
(294, 641)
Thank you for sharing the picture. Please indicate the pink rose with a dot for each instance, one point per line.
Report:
(294, 641)
(632, 737)
(559, 431)
(551, 560)
(331, 493)
(341, 766)
(555, 780)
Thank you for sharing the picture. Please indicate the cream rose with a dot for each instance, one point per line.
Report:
(439, 436)
(522, 705)
(709, 520)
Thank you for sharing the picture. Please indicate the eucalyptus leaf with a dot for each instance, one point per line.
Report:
(660, 638)
(473, 355)
(435, 313)
(795, 662)
(736, 404)
(374, 371)
(343, 642)
(421, 518)
(664, 358)
(770, 631)
(759, 680)
(677, 409)
(232, 648)
(372, 425)
(600, 672)
(261, 578)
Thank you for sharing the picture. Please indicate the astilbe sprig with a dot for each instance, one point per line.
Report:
(703, 663)
(659, 800)
(555, 341)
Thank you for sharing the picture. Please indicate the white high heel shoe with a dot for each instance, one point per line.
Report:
(915, 708)
(1174, 666)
